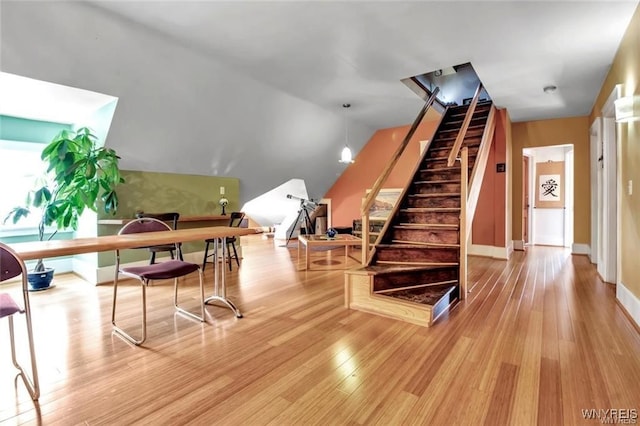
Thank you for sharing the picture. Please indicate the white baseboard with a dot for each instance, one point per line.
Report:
(490, 251)
(581, 249)
(549, 240)
(518, 245)
(629, 301)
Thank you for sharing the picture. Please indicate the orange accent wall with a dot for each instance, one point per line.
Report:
(490, 221)
(347, 192)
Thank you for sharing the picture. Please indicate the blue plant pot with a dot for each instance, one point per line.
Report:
(40, 280)
(331, 233)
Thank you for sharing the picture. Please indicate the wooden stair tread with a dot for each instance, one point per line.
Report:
(424, 244)
(417, 286)
(441, 194)
(393, 269)
(440, 169)
(420, 226)
(430, 209)
(424, 182)
(390, 262)
(399, 246)
(424, 296)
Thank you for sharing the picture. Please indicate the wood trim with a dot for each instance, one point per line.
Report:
(464, 176)
(465, 125)
(55, 248)
(202, 218)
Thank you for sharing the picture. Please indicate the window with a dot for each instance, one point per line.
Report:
(20, 166)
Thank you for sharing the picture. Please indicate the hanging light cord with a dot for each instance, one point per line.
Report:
(346, 124)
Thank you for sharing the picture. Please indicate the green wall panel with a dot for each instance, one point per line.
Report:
(153, 192)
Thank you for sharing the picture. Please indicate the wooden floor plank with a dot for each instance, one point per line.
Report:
(539, 339)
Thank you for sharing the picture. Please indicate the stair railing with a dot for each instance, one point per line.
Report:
(464, 179)
(470, 192)
(453, 155)
(377, 186)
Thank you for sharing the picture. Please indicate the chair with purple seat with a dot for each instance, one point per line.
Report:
(171, 269)
(171, 218)
(12, 266)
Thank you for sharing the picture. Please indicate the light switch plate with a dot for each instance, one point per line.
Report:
(630, 187)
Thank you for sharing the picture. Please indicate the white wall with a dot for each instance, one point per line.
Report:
(179, 110)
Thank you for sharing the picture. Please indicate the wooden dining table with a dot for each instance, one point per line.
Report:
(54, 248)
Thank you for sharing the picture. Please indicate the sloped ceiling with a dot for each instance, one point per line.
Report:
(254, 89)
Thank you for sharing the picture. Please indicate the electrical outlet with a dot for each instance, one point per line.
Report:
(630, 187)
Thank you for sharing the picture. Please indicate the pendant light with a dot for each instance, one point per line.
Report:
(346, 156)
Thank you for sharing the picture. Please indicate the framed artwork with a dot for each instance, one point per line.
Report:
(550, 185)
(384, 203)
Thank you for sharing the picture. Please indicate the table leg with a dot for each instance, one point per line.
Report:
(346, 254)
(307, 262)
(219, 286)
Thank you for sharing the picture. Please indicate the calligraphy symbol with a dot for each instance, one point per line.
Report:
(549, 187)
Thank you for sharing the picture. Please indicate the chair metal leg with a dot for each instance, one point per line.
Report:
(31, 383)
(153, 258)
(184, 311)
(206, 255)
(235, 254)
(119, 331)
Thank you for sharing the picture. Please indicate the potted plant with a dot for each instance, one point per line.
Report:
(78, 171)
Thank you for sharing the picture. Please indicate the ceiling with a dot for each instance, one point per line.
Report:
(330, 52)
(254, 90)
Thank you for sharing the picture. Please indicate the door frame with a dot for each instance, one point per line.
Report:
(526, 192)
(608, 204)
(596, 187)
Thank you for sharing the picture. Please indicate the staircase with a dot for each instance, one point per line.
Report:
(415, 265)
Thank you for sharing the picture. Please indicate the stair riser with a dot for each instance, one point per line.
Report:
(435, 163)
(472, 133)
(417, 254)
(442, 153)
(407, 279)
(434, 188)
(439, 163)
(456, 124)
(442, 236)
(433, 202)
(424, 174)
(470, 142)
(449, 218)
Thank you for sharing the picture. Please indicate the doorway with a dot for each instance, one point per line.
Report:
(548, 188)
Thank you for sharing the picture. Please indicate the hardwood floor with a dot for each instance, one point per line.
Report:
(539, 339)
